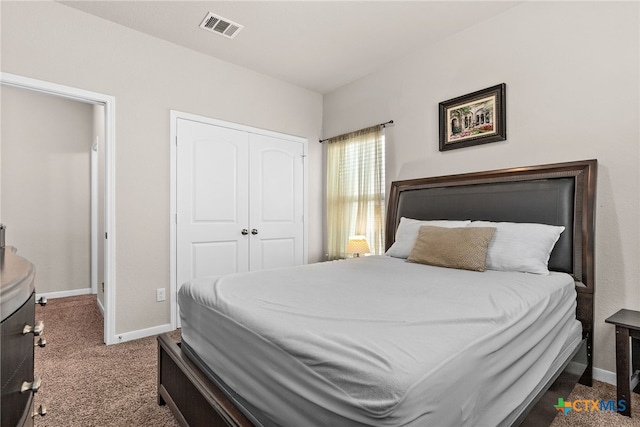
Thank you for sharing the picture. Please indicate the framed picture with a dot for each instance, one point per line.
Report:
(473, 119)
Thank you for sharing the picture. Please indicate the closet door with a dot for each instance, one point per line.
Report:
(276, 201)
(212, 200)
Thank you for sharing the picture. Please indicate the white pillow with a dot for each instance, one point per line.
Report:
(520, 246)
(407, 234)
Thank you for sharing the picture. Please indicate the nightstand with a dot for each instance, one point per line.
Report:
(627, 326)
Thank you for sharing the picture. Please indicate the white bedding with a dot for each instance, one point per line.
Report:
(380, 341)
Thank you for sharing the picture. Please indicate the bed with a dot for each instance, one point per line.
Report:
(509, 364)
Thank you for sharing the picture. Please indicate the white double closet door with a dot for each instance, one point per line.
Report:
(240, 201)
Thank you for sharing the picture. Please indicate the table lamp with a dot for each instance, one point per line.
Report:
(358, 245)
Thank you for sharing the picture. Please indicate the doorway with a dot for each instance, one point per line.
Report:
(108, 116)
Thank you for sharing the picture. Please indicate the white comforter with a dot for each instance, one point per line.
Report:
(379, 341)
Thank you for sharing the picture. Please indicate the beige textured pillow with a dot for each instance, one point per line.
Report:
(463, 248)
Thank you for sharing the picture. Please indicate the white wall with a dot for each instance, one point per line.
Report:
(571, 70)
(46, 142)
(149, 77)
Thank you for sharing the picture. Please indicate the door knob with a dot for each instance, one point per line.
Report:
(244, 231)
(254, 231)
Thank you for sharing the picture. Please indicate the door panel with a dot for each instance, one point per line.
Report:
(225, 254)
(212, 200)
(276, 187)
(215, 181)
(276, 252)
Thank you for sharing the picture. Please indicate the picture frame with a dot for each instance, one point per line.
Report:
(473, 119)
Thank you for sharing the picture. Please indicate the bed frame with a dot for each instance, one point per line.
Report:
(556, 194)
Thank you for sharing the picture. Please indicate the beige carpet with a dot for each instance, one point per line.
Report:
(600, 391)
(86, 383)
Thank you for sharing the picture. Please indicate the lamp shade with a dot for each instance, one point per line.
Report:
(358, 245)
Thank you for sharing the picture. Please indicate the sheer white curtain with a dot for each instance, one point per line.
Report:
(355, 190)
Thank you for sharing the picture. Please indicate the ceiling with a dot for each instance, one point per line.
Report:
(318, 45)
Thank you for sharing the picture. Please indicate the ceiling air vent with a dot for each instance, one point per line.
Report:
(223, 26)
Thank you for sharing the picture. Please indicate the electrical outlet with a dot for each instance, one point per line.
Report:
(160, 294)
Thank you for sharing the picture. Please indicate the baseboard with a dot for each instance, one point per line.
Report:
(610, 377)
(100, 306)
(143, 333)
(64, 294)
(604, 376)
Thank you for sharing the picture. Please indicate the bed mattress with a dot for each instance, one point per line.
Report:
(380, 341)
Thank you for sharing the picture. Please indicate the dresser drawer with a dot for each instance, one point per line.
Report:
(17, 365)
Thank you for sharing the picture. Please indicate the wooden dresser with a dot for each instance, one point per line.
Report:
(18, 328)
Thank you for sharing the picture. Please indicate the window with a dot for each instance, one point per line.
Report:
(355, 190)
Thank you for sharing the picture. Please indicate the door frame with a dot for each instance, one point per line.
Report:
(173, 142)
(109, 103)
(94, 215)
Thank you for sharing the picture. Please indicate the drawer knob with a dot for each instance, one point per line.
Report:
(31, 386)
(36, 330)
(42, 341)
(41, 410)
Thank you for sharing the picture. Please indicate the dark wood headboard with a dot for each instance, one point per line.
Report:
(555, 194)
